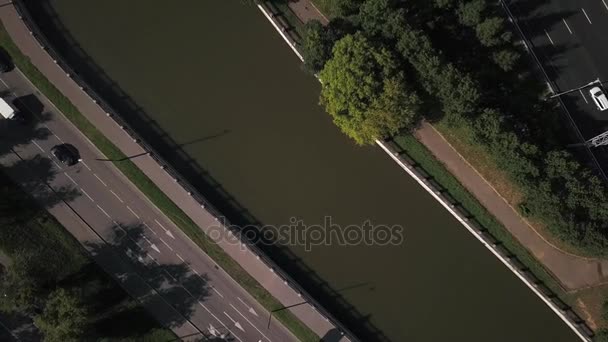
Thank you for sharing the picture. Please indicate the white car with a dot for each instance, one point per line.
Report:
(599, 97)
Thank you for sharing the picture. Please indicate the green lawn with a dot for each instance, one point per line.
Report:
(153, 192)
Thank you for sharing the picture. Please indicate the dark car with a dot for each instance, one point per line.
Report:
(66, 153)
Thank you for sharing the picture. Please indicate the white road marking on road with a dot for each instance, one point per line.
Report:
(132, 212)
(248, 321)
(236, 324)
(56, 136)
(175, 280)
(548, 36)
(84, 192)
(85, 165)
(219, 320)
(251, 310)
(35, 143)
(166, 244)
(115, 195)
(119, 226)
(180, 257)
(212, 330)
(99, 179)
(103, 211)
(604, 2)
(153, 246)
(57, 164)
(152, 230)
(216, 291)
(568, 27)
(583, 95)
(167, 231)
(585, 13)
(70, 178)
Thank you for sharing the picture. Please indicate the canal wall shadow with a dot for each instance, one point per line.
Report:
(164, 145)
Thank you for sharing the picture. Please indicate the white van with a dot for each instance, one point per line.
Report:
(6, 110)
(599, 97)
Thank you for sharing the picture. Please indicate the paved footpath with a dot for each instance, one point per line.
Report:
(572, 271)
(279, 288)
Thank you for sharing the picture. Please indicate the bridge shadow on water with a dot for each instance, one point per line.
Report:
(85, 67)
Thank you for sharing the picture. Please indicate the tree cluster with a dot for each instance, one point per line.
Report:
(394, 61)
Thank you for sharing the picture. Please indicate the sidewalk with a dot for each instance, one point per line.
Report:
(572, 271)
(278, 287)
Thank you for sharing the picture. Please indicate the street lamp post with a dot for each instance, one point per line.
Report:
(281, 309)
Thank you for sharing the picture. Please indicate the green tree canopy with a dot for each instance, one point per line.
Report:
(63, 318)
(364, 91)
(19, 289)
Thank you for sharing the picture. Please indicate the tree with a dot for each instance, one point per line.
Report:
(63, 319)
(19, 289)
(343, 8)
(489, 31)
(364, 91)
(601, 336)
(316, 49)
(470, 12)
(505, 59)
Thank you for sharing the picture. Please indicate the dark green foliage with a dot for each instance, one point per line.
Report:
(64, 317)
(463, 59)
(316, 47)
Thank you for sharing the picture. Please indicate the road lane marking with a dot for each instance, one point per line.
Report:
(153, 246)
(70, 178)
(132, 212)
(85, 165)
(152, 230)
(99, 179)
(103, 211)
(248, 321)
(583, 95)
(167, 231)
(56, 136)
(84, 192)
(585, 13)
(548, 36)
(175, 280)
(166, 244)
(35, 143)
(566, 23)
(219, 320)
(180, 257)
(57, 164)
(119, 226)
(248, 306)
(216, 291)
(115, 195)
(195, 271)
(236, 324)
(604, 2)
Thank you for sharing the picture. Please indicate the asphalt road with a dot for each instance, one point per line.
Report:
(125, 233)
(571, 39)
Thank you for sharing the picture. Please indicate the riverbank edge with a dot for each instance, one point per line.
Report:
(545, 286)
(163, 202)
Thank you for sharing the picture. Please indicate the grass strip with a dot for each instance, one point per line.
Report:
(156, 196)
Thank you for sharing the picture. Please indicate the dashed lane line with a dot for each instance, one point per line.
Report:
(567, 26)
(85, 165)
(70, 178)
(115, 195)
(103, 211)
(586, 16)
(87, 194)
(152, 230)
(216, 291)
(180, 257)
(133, 212)
(99, 179)
(57, 164)
(548, 36)
(605, 5)
(236, 324)
(40, 148)
(166, 244)
(248, 321)
(219, 320)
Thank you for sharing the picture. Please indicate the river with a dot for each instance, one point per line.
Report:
(213, 79)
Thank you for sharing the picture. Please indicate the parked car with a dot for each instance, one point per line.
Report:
(66, 154)
(599, 97)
